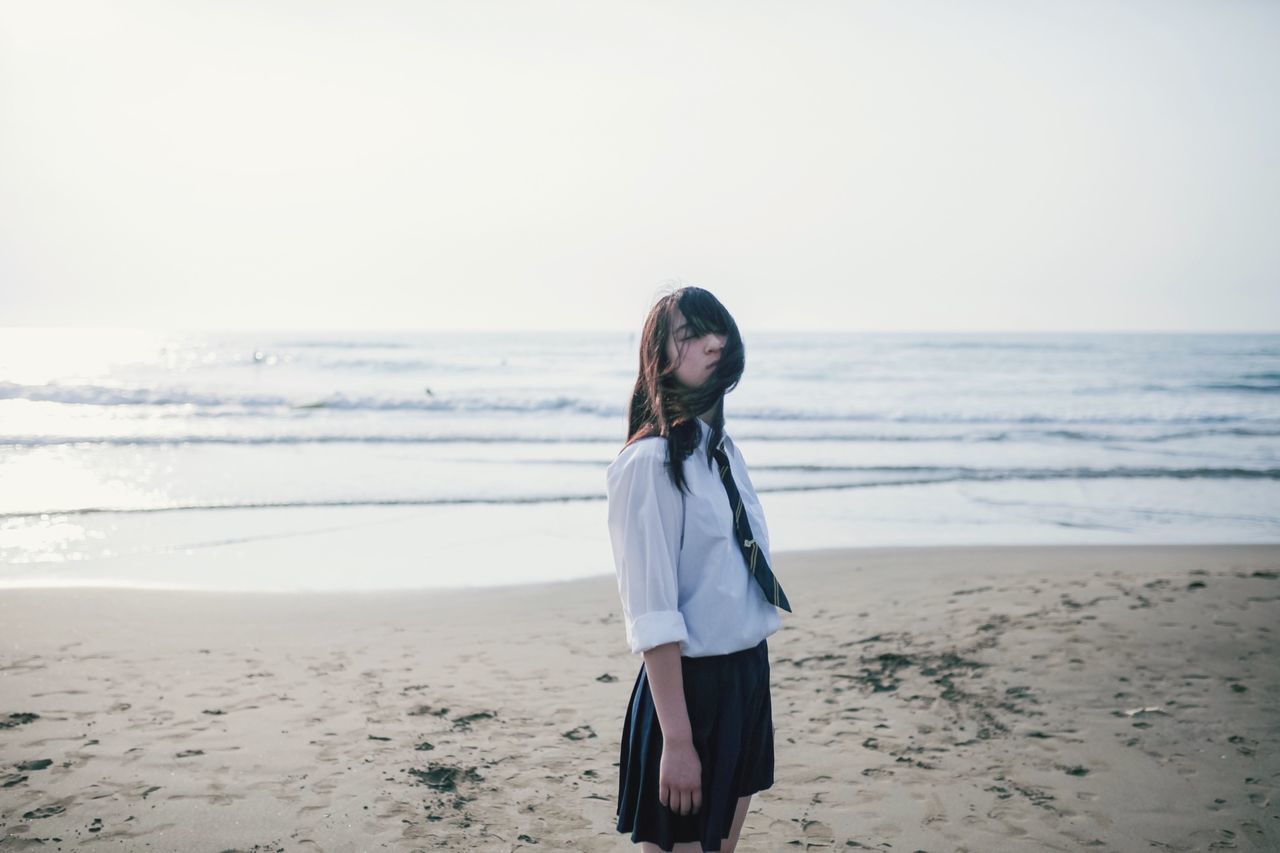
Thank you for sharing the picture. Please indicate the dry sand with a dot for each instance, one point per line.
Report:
(937, 699)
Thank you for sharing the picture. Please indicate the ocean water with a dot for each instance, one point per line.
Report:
(345, 460)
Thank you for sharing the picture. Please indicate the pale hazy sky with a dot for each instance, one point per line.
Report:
(897, 165)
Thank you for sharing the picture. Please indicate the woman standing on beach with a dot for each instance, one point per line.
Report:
(692, 554)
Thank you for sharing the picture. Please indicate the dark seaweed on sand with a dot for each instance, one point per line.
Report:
(445, 777)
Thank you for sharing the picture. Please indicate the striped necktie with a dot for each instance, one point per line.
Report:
(756, 563)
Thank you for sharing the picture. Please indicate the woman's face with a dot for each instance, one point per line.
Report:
(693, 356)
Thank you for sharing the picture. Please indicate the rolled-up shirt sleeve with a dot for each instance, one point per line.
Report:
(645, 519)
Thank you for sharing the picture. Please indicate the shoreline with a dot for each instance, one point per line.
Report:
(969, 698)
(807, 558)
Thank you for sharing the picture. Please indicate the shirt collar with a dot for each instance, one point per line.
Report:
(704, 435)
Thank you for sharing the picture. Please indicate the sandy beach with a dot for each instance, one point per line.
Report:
(938, 699)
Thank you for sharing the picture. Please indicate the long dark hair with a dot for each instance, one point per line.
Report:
(659, 404)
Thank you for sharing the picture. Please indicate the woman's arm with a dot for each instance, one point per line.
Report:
(646, 519)
(680, 772)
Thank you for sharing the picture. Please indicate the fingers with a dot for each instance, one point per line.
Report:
(682, 802)
(679, 787)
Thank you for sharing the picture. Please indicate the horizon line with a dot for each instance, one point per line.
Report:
(609, 330)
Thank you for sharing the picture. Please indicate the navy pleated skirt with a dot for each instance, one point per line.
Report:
(731, 716)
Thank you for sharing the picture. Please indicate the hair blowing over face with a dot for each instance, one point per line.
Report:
(659, 404)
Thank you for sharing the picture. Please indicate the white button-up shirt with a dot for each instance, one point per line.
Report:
(682, 576)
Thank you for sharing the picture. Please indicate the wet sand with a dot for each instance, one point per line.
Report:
(937, 699)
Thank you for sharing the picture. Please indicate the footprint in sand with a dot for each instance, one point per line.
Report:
(817, 832)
